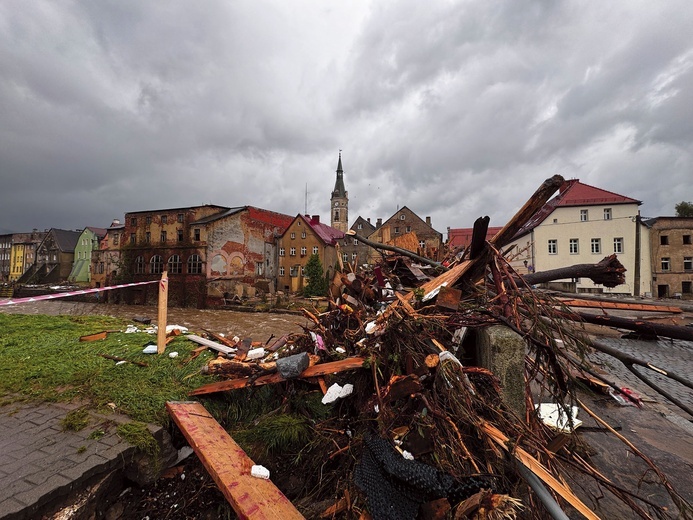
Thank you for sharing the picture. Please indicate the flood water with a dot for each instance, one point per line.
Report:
(256, 325)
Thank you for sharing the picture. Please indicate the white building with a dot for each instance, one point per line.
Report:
(582, 225)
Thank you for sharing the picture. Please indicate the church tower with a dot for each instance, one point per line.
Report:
(339, 202)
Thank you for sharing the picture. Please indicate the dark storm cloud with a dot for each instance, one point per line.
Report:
(455, 109)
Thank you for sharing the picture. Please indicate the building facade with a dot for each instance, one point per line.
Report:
(582, 225)
(352, 250)
(5, 250)
(339, 201)
(304, 237)
(23, 252)
(54, 257)
(241, 251)
(671, 247)
(105, 261)
(87, 243)
(405, 229)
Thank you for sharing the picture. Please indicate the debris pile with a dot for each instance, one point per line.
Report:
(411, 424)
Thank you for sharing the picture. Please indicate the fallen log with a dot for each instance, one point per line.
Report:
(647, 328)
(317, 370)
(626, 306)
(609, 273)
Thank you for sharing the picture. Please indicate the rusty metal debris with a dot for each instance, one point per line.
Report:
(403, 335)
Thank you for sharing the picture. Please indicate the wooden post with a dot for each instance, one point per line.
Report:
(163, 310)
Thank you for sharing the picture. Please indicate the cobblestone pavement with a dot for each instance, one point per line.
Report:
(670, 355)
(39, 461)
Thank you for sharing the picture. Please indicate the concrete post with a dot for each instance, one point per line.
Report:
(502, 351)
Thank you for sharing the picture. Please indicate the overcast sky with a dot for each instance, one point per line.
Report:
(454, 109)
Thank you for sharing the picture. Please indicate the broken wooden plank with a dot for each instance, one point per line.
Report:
(211, 344)
(230, 466)
(97, 336)
(626, 306)
(317, 370)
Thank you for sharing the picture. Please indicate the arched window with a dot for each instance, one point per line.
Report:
(155, 265)
(139, 265)
(174, 265)
(194, 264)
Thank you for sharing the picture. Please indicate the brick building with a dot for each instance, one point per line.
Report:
(671, 247)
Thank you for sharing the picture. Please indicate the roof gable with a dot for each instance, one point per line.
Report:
(327, 234)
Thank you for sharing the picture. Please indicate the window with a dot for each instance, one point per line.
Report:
(304, 250)
(408, 229)
(596, 244)
(584, 216)
(607, 213)
(133, 222)
(282, 251)
(139, 265)
(258, 268)
(292, 251)
(163, 237)
(303, 271)
(666, 263)
(555, 221)
(293, 235)
(164, 219)
(148, 219)
(353, 256)
(422, 244)
(174, 264)
(155, 265)
(180, 235)
(133, 240)
(688, 263)
(303, 235)
(356, 242)
(194, 264)
(345, 257)
(618, 245)
(281, 271)
(359, 226)
(402, 217)
(147, 237)
(197, 234)
(553, 246)
(116, 238)
(664, 240)
(574, 245)
(293, 271)
(180, 217)
(315, 250)
(687, 240)
(686, 287)
(396, 229)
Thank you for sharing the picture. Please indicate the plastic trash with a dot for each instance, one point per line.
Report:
(173, 355)
(150, 349)
(260, 472)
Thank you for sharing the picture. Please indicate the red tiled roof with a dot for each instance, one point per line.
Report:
(575, 193)
(462, 237)
(327, 234)
(270, 217)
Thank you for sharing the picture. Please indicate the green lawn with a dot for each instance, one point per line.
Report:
(42, 358)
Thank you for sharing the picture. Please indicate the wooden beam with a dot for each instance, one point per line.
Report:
(316, 370)
(646, 307)
(230, 466)
(211, 344)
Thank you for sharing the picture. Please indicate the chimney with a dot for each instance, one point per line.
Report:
(368, 220)
(315, 219)
(428, 221)
(379, 223)
(116, 222)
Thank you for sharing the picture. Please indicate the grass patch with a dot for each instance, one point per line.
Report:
(75, 420)
(137, 434)
(42, 358)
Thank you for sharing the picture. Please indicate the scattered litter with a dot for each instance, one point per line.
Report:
(336, 391)
(131, 329)
(173, 355)
(150, 349)
(121, 362)
(256, 353)
(557, 417)
(260, 472)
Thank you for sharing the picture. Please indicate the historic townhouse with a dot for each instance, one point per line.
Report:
(407, 230)
(87, 243)
(304, 237)
(105, 261)
(355, 252)
(23, 252)
(582, 225)
(671, 246)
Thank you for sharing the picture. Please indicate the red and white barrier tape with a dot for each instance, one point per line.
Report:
(70, 293)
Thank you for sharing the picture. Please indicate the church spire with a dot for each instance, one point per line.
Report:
(339, 190)
(339, 202)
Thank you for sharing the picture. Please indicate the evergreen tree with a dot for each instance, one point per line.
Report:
(317, 284)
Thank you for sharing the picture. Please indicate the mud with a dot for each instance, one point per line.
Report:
(257, 325)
